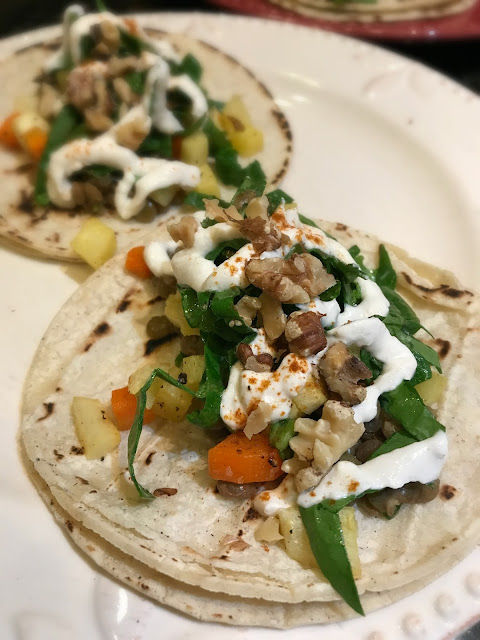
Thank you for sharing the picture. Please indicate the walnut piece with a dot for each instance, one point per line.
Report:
(132, 133)
(274, 318)
(294, 281)
(263, 234)
(184, 230)
(342, 371)
(305, 334)
(247, 308)
(106, 37)
(257, 208)
(258, 363)
(324, 441)
(214, 211)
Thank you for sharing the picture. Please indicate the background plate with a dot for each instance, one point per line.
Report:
(457, 26)
(380, 143)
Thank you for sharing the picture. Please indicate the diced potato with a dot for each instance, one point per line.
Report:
(96, 432)
(95, 242)
(174, 312)
(140, 376)
(247, 142)
(295, 536)
(208, 182)
(195, 149)
(171, 402)
(432, 390)
(268, 530)
(313, 395)
(193, 367)
(350, 535)
(26, 122)
(234, 115)
(164, 196)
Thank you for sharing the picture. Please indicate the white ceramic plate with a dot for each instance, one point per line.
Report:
(380, 143)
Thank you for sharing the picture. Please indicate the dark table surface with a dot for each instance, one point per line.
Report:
(458, 59)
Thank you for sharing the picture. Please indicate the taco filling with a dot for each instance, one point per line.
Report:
(308, 359)
(122, 122)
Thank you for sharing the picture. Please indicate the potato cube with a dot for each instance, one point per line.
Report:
(431, 391)
(171, 402)
(25, 122)
(193, 367)
(208, 182)
(195, 149)
(247, 142)
(164, 196)
(95, 242)
(96, 432)
(350, 535)
(268, 530)
(313, 395)
(295, 536)
(174, 312)
(234, 115)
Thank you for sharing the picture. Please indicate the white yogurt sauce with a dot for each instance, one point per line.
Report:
(418, 462)
(268, 503)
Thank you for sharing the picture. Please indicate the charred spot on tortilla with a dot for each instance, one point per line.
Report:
(340, 226)
(58, 455)
(148, 459)
(154, 343)
(251, 514)
(82, 480)
(55, 237)
(20, 169)
(49, 407)
(123, 306)
(443, 347)
(87, 346)
(69, 525)
(144, 586)
(77, 451)
(444, 289)
(102, 329)
(165, 491)
(447, 492)
(25, 203)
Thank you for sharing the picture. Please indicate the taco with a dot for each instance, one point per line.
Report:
(195, 510)
(113, 121)
(374, 10)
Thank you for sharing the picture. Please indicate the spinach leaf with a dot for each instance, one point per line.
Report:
(179, 359)
(136, 81)
(281, 433)
(375, 366)
(215, 104)
(131, 45)
(360, 260)
(331, 293)
(225, 250)
(211, 389)
(406, 406)
(196, 200)
(61, 132)
(101, 6)
(385, 275)
(156, 144)
(275, 198)
(253, 185)
(304, 220)
(400, 313)
(326, 539)
(189, 65)
(396, 441)
(227, 167)
(216, 137)
(344, 273)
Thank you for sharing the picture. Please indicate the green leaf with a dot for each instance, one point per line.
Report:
(385, 275)
(360, 260)
(304, 220)
(62, 129)
(216, 137)
(326, 539)
(332, 293)
(281, 433)
(225, 250)
(211, 388)
(131, 45)
(396, 441)
(253, 184)
(275, 198)
(406, 406)
(179, 359)
(101, 6)
(189, 65)
(227, 167)
(156, 144)
(400, 313)
(136, 429)
(136, 81)
(375, 366)
(196, 200)
(344, 273)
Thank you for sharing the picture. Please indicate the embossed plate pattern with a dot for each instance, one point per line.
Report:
(380, 143)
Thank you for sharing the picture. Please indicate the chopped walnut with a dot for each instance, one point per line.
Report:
(184, 230)
(305, 334)
(106, 37)
(274, 319)
(263, 234)
(96, 120)
(342, 371)
(132, 133)
(324, 441)
(80, 89)
(123, 90)
(119, 66)
(257, 208)
(259, 363)
(247, 308)
(295, 280)
(214, 211)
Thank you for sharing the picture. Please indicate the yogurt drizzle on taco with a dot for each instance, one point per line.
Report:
(289, 320)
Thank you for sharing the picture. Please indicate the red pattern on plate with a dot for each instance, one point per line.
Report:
(457, 26)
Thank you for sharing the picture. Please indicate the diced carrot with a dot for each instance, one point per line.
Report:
(7, 136)
(135, 263)
(35, 141)
(238, 459)
(176, 146)
(131, 25)
(124, 405)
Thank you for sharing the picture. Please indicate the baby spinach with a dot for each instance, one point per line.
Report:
(210, 389)
(189, 66)
(156, 144)
(275, 198)
(281, 432)
(225, 250)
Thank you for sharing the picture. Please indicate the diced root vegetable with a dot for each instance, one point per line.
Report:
(31, 131)
(431, 391)
(174, 312)
(297, 544)
(195, 149)
(239, 460)
(350, 536)
(96, 432)
(237, 124)
(313, 395)
(7, 134)
(235, 115)
(193, 367)
(171, 403)
(124, 405)
(208, 182)
(135, 263)
(95, 242)
(269, 530)
(163, 197)
(247, 142)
